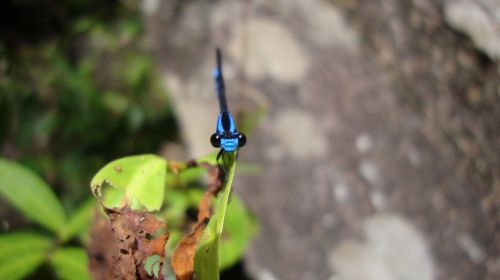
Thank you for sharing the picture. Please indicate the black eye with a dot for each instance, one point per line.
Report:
(215, 140)
(242, 139)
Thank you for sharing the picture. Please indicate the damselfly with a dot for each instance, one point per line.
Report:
(226, 135)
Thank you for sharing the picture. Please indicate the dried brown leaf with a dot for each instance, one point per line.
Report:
(121, 245)
(132, 241)
(183, 258)
(101, 249)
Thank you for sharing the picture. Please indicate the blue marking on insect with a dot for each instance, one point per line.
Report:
(226, 135)
(225, 123)
(216, 73)
(229, 144)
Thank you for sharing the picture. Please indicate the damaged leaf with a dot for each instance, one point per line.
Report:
(102, 248)
(139, 239)
(183, 259)
(141, 177)
(138, 236)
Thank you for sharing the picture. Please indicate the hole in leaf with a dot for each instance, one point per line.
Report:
(123, 251)
(99, 257)
(192, 214)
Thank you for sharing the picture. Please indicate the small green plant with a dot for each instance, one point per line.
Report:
(21, 253)
(145, 183)
(149, 184)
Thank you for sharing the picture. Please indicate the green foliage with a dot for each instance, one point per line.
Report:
(64, 100)
(31, 196)
(70, 263)
(228, 231)
(71, 99)
(239, 228)
(141, 177)
(206, 264)
(71, 82)
(79, 221)
(22, 252)
(138, 176)
(207, 253)
(152, 265)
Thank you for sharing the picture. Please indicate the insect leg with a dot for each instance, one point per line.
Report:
(221, 155)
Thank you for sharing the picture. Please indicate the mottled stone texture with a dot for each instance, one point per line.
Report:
(480, 20)
(379, 146)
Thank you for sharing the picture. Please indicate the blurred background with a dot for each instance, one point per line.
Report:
(373, 126)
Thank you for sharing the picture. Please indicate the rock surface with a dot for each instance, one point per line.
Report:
(480, 20)
(378, 148)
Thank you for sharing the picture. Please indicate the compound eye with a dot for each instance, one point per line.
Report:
(215, 140)
(242, 139)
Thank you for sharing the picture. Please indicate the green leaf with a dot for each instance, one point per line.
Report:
(152, 265)
(240, 227)
(79, 221)
(177, 204)
(21, 253)
(206, 261)
(220, 211)
(210, 159)
(191, 175)
(31, 196)
(142, 178)
(71, 263)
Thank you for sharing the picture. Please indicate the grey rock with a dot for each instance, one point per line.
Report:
(480, 20)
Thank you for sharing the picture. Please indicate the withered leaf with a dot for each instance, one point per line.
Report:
(101, 249)
(183, 258)
(121, 245)
(135, 239)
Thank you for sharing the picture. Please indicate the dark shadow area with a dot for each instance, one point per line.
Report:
(236, 272)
